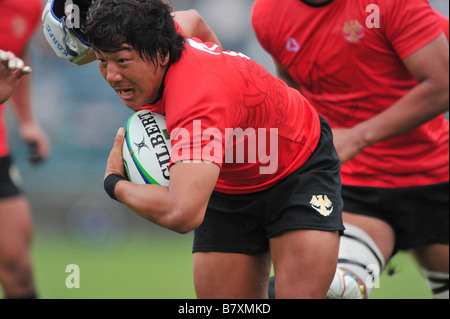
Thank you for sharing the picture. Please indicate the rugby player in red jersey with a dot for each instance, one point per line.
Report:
(283, 206)
(18, 21)
(378, 72)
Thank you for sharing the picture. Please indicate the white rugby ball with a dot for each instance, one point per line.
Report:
(146, 150)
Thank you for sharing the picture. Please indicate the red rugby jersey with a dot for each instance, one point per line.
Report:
(350, 69)
(225, 108)
(18, 21)
(443, 20)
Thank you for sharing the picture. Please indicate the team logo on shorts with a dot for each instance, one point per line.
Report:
(322, 204)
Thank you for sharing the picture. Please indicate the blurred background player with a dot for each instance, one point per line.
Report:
(18, 21)
(378, 72)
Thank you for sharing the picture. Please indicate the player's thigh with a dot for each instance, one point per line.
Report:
(381, 232)
(304, 262)
(230, 275)
(433, 257)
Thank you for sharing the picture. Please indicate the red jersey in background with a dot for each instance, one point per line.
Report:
(18, 21)
(351, 70)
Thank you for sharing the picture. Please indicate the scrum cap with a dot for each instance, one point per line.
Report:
(62, 20)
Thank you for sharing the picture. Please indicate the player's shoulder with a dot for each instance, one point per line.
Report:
(268, 15)
(413, 12)
(260, 6)
(273, 8)
(196, 68)
(395, 4)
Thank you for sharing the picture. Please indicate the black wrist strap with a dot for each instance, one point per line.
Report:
(110, 184)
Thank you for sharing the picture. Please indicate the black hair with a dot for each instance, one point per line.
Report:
(146, 25)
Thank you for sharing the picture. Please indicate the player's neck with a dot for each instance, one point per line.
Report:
(317, 3)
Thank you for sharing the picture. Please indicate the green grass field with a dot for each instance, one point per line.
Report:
(158, 267)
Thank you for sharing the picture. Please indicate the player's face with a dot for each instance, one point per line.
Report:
(136, 81)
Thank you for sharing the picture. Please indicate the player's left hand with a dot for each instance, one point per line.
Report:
(37, 143)
(114, 164)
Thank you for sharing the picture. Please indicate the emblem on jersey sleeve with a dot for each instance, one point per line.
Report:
(322, 204)
(353, 31)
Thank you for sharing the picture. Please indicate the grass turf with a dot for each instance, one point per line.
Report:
(159, 267)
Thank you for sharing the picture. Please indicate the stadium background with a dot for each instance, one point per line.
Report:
(119, 254)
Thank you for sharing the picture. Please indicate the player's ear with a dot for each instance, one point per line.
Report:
(164, 59)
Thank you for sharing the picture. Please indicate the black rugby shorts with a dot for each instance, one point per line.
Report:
(8, 187)
(418, 215)
(310, 198)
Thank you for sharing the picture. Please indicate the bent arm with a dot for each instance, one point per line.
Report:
(194, 26)
(430, 98)
(181, 206)
(30, 130)
(21, 98)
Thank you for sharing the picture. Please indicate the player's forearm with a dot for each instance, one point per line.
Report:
(429, 66)
(154, 203)
(21, 99)
(426, 101)
(206, 34)
(193, 25)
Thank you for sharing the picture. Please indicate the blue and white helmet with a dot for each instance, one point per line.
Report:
(62, 21)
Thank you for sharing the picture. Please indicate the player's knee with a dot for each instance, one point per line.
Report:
(13, 260)
(301, 285)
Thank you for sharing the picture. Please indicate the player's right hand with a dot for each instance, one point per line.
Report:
(37, 142)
